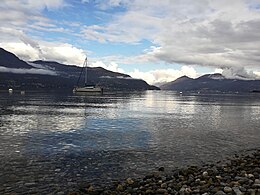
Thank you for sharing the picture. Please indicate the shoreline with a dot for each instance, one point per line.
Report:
(236, 175)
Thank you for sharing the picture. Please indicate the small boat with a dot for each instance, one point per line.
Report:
(10, 90)
(87, 88)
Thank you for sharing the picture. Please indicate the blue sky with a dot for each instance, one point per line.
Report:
(157, 42)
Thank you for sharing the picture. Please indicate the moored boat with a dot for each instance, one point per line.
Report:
(87, 88)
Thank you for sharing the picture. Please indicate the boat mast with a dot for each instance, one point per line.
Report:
(86, 71)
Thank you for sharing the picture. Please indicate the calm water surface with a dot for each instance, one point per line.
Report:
(49, 141)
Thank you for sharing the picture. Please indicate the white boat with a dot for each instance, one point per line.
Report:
(10, 90)
(87, 88)
(95, 89)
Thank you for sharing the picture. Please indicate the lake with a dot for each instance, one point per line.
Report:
(51, 141)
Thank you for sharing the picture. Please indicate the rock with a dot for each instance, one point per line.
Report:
(129, 181)
(252, 192)
(90, 189)
(210, 181)
(197, 181)
(161, 191)
(257, 181)
(234, 183)
(227, 189)
(197, 191)
(119, 187)
(242, 189)
(256, 185)
(161, 169)
(163, 185)
(30, 184)
(220, 193)
(73, 193)
(215, 189)
(205, 174)
(149, 191)
(243, 180)
(250, 176)
(237, 191)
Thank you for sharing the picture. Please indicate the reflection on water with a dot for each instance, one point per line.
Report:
(65, 139)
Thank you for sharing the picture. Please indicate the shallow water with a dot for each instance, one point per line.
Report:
(52, 141)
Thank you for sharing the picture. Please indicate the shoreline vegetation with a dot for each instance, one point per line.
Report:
(238, 175)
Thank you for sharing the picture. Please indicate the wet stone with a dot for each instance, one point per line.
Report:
(227, 189)
(220, 193)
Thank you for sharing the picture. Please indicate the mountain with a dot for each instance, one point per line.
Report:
(10, 60)
(18, 74)
(212, 83)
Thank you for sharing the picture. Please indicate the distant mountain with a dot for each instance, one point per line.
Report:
(212, 83)
(10, 60)
(18, 74)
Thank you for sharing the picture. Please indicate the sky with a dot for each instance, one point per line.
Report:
(157, 41)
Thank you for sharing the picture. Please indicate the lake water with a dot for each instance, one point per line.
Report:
(50, 142)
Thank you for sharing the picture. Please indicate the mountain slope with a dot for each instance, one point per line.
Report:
(212, 83)
(10, 60)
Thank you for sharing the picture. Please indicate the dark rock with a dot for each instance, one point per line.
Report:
(161, 169)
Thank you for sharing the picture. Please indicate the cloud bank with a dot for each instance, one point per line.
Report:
(205, 33)
(27, 71)
(161, 76)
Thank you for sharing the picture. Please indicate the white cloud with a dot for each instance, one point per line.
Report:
(160, 76)
(112, 66)
(108, 4)
(218, 70)
(239, 73)
(257, 73)
(27, 71)
(20, 13)
(25, 16)
(59, 52)
(204, 33)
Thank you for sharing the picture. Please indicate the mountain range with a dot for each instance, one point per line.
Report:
(18, 74)
(212, 83)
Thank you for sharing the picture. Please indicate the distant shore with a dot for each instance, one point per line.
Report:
(238, 175)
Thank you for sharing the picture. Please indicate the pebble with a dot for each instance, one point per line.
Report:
(205, 174)
(227, 189)
(163, 185)
(119, 187)
(237, 191)
(238, 176)
(220, 193)
(257, 181)
(161, 191)
(30, 184)
(129, 181)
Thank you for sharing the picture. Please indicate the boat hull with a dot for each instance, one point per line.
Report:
(91, 89)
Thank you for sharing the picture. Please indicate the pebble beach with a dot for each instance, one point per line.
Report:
(237, 175)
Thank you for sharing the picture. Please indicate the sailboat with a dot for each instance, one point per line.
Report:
(87, 88)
